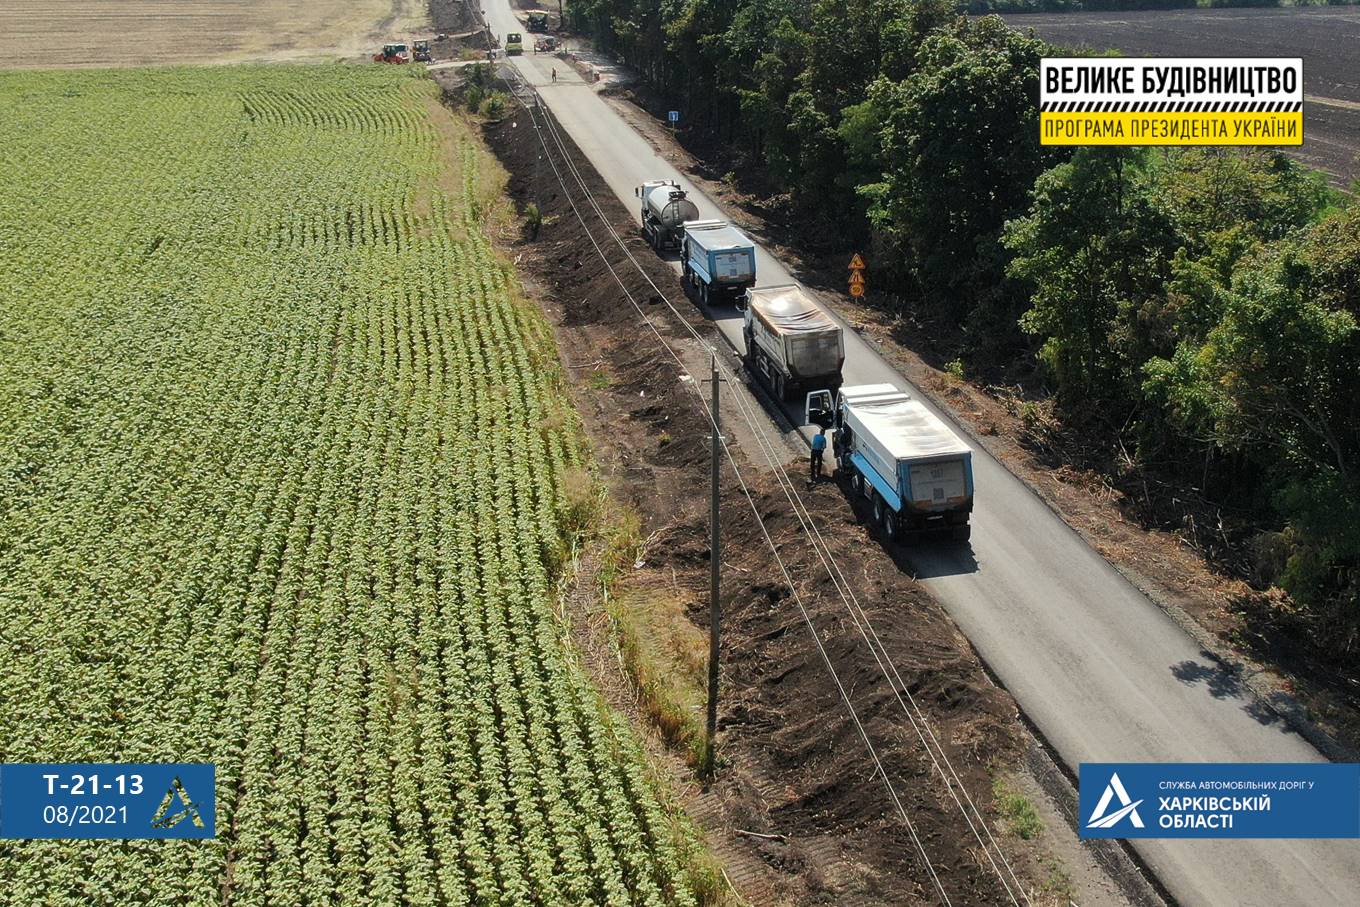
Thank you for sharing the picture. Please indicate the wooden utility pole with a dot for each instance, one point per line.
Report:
(714, 579)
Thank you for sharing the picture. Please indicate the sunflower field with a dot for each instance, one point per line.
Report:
(283, 463)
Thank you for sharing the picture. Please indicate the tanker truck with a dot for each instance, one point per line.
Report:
(915, 472)
(664, 212)
(718, 260)
(792, 344)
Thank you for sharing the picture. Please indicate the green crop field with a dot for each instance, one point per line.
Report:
(284, 470)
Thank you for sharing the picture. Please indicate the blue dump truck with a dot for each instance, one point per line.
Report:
(915, 471)
(719, 261)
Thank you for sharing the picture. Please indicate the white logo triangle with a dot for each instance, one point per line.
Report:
(1128, 807)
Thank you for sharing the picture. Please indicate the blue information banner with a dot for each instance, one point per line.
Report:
(1219, 800)
(107, 800)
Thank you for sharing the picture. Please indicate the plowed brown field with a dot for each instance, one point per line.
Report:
(1327, 38)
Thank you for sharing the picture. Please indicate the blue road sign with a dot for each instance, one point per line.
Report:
(107, 800)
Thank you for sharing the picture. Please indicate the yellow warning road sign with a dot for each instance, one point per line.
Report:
(856, 279)
(857, 263)
(857, 290)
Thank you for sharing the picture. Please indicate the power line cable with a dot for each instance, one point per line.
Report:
(948, 774)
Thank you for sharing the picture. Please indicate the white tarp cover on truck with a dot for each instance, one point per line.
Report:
(902, 427)
(710, 235)
(787, 310)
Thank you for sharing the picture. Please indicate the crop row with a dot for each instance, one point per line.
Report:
(282, 461)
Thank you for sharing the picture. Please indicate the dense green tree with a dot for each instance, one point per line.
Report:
(1276, 379)
(1280, 368)
(1095, 247)
(961, 151)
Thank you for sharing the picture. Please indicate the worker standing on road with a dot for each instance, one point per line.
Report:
(554, 73)
(818, 449)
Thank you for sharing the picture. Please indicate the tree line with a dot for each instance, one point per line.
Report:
(1196, 307)
(978, 7)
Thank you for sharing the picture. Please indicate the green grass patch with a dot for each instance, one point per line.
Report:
(1017, 812)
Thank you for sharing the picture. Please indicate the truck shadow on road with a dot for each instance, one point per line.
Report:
(923, 556)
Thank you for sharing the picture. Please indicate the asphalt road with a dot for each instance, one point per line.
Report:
(1102, 672)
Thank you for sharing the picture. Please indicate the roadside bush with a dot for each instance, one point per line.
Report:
(494, 105)
(473, 96)
(533, 220)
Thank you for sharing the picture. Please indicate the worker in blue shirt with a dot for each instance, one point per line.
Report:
(818, 448)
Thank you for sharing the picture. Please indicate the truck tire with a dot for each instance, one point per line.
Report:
(883, 516)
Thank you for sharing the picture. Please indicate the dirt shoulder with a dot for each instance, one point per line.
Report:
(797, 813)
(1225, 616)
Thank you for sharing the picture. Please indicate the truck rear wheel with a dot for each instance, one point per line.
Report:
(883, 516)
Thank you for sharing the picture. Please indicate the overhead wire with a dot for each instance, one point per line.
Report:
(879, 768)
(933, 748)
(930, 742)
(915, 715)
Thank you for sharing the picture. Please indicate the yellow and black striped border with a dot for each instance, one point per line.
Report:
(1171, 123)
(1171, 107)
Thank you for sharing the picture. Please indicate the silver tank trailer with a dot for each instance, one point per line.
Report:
(665, 210)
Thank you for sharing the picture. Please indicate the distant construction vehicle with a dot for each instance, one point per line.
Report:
(514, 44)
(792, 344)
(664, 212)
(915, 471)
(718, 260)
(393, 53)
(420, 51)
(538, 21)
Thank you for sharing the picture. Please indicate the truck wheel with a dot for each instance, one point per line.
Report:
(883, 516)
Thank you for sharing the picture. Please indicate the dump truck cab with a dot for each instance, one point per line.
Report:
(820, 408)
(420, 52)
(538, 21)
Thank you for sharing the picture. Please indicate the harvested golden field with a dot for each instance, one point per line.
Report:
(68, 33)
